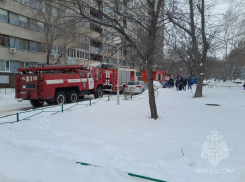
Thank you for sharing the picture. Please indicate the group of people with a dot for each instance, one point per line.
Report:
(181, 83)
(168, 84)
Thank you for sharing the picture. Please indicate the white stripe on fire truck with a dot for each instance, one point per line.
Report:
(73, 80)
(54, 81)
(77, 80)
(83, 79)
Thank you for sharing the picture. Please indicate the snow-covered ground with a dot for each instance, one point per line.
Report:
(9, 104)
(124, 139)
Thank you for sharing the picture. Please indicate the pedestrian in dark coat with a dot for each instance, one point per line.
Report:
(184, 84)
(244, 86)
(189, 83)
(180, 84)
(177, 84)
(172, 82)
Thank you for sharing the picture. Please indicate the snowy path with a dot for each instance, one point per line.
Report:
(124, 138)
(10, 105)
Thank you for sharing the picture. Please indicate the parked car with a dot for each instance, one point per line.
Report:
(136, 87)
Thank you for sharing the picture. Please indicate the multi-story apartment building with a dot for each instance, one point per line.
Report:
(31, 36)
(23, 39)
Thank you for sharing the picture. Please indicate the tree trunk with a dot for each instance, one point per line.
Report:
(48, 55)
(151, 93)
(199, 85)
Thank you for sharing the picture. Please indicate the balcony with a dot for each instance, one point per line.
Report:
(96, 28)
(95, 57)
(94, 50)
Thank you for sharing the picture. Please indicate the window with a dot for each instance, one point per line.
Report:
(78, 54)
(33, 46)
(40, 26)
(33, 24)
(87, 40)
(109, 48)
(24, 44)
(86, 55)
(61, 51)
(44, 48)
(4, 40)
(110, 61)
(120, 51)
(3, 15)
(13, 19)
(48, 9)
(14, 42)
(26, 2)
(54, 11)
(43, 7)
(23, 21)
(36, 25)
(39, 47)
(61, 13)
(105, 47)
(4, 65)
(7, 65)
(14, 66)
(35, 4)
(82, 54)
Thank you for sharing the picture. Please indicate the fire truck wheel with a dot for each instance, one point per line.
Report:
(60, 98)
(98, 93)
(36, 103)
(72, 96)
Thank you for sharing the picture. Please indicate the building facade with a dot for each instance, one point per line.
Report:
(36, 33)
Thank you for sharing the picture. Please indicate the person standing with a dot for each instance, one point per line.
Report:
(177, 84)
(184, 84)
(189, 83)
(172, 82)
(244, 86)
(180, 84)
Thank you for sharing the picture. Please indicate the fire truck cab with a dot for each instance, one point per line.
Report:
(56, 84)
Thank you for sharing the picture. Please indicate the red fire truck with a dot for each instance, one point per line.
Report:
(56, 84)
(108, 78)
(157, 75)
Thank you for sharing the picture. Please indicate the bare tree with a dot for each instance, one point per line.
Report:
(57, 27)
(234, 24)
(145, 15)
(193, 34)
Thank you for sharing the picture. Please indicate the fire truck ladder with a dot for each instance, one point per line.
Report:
(39, 85)
(114, 79)
(100, 77)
